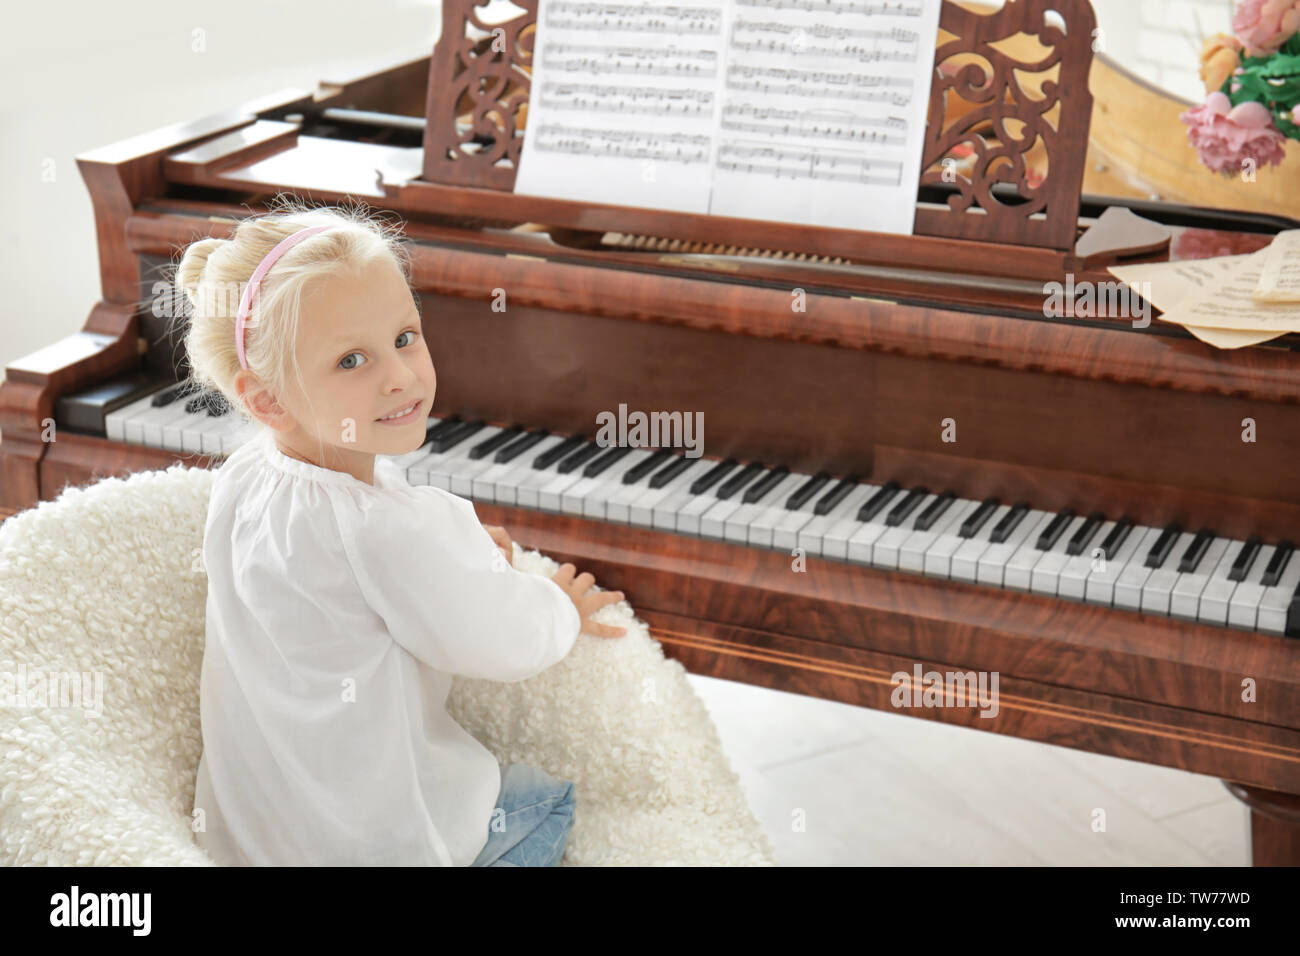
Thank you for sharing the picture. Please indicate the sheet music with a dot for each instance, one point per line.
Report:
(806, 111)
(1168, 284)
(1280, 280)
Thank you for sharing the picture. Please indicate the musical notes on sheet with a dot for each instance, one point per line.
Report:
(707, 105)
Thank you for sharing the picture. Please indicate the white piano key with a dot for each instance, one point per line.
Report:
(529, 486)
(993, 562)
(619, 505)
(855, 540)
(1128, 584)
(965, 560)
(1072, 582)
(1158, 589)
(851, 538)
(574, 499)
(192, 435)
(713, 521)
(115, 421)
(464, 469)
(441, 470)
(885, 549)
(938, 557)
(1100, 586)
(918, 550)
(763, 529)
(1186, 595)
(610, 483)
(642, 510)
(497, 482)
(1277, 599)
(1213, 607)
(149, 418)
(428, 469)
(666, 513)
(1243, 607)
(551, 494)
(740, 525)
(811, 537)
(1018, 573)
(214, 438)
(736, 525)
(174, 415)
(1046, 575)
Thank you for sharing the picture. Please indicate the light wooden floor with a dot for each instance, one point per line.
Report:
(879, 788)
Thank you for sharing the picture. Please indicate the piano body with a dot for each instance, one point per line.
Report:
(847, 538)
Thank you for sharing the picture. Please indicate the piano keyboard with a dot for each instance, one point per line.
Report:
(1109, 560)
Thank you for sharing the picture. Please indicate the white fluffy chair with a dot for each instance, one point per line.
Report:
(105, 583)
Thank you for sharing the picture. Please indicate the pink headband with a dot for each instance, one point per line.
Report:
(254, 283)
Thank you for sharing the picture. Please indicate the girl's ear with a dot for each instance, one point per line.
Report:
(262, 404)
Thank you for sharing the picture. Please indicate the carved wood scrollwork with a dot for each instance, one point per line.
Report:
(1009, 104)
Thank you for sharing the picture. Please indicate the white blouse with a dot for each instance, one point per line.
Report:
(336, 614)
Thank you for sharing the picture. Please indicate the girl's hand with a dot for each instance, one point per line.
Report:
(503, 541)
(588, 604)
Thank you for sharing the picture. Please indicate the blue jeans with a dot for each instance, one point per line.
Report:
(538, 814)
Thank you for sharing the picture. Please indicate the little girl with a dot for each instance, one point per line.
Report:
(341, 600)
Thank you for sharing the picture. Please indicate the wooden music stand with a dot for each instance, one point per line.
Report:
(977, 91)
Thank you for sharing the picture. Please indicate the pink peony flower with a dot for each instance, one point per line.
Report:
(1264, 25)
(1224, 135)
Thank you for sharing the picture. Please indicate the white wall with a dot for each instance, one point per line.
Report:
(77, 76)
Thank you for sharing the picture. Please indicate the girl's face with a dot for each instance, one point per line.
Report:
(362, 356)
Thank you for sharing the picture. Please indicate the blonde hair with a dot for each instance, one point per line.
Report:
(214, 272)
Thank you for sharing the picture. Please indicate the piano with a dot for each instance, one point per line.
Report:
(920, 468)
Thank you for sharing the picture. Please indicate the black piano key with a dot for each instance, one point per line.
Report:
(519, 446)
(933, 511)
(671, 471)
(438, 429)
(905, 507)
(873, 505)
(711, 477)
(1277, 564)
(85, 411)
(489, 445)
(1246, 557)
(605, 461)
(1111, 544)
(740, 479)
(805, 491)
(758, 489)
(1052, 533)
(1195, 551)
(639, 471)
(1293, 615)
(1003, 529)
(835, 495)
(454, 436)
(173, 393)
(553, 454)
(1085, 533)
(976, 519)
(579, 457)
(1164, 544)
